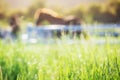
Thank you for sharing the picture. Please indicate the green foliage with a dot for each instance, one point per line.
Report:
(36, 5)
(107, 13)
(3, 6)
(59, 62)
(3, 9)
(78, 11)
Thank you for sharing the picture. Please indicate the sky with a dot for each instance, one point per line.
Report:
(71, 3)
(22, 4)
(19, 4)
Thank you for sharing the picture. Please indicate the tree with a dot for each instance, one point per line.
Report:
(115, 5)
(36, 4)
(3, 8)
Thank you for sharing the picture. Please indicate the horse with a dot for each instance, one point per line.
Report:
(55, 19)
(15, 28)
(14, 24)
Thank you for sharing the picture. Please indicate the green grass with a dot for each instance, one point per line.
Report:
(59, 62)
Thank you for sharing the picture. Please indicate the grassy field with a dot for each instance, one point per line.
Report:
(20, 61)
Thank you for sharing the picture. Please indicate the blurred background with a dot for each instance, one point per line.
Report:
(89, 11)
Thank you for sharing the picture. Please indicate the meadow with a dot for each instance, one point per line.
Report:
(60, 61)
